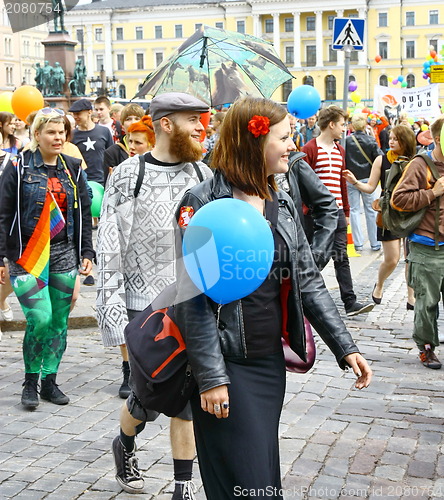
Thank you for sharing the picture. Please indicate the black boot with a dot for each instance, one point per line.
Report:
(51, 392)
(30, 396)
(125, 390)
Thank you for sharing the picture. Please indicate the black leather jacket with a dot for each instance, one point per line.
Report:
(354, 159)
(209, 341)
(305, 187)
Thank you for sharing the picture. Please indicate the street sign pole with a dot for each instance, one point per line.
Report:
(347, 51)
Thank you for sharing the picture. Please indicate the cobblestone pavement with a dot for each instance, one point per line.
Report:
(336, 442)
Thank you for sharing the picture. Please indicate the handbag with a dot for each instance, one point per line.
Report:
(293, 362)
(161, 376)
(376, 207)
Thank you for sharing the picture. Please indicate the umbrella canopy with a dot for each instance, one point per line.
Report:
(218, 66)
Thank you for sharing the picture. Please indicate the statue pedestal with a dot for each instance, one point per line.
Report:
(60, 48)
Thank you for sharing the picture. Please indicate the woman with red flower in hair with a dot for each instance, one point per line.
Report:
(235, 350)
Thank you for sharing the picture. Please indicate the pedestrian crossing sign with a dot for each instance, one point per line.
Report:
(348, 31)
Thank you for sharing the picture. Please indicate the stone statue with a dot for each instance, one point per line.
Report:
(78, 84)
(58, 79)
(46, 79)
(59, 12)
(38, 77)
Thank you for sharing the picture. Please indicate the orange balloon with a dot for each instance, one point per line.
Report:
(433, 54)
(205, 120)
(25, 100)
(378, 58)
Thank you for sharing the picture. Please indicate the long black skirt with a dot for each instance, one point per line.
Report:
(239, 455)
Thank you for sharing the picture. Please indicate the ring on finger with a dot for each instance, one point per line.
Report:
(217, 408)
(225, 405)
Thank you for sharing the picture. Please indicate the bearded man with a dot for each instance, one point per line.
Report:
(136, 261)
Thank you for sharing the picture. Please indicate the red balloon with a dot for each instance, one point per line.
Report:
(433, 54)
(205, 120)
(367, 111)
(378, 58)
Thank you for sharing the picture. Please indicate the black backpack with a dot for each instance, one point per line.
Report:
(160, 373)
(399, 223)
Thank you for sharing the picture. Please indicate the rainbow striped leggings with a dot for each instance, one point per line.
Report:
(46, 310)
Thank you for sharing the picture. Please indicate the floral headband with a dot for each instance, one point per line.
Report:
(259, 125)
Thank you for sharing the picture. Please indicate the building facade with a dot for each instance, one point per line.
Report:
(130, 39)
(19, 53)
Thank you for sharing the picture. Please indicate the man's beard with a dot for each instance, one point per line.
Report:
(185, 148)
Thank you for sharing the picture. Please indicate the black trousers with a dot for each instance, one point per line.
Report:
(341, 262)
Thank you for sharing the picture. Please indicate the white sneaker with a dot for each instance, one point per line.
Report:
(441, 337)
(7, 314)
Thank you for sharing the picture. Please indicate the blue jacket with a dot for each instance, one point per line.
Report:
(23, 187)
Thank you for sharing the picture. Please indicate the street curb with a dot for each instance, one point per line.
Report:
(74, 323)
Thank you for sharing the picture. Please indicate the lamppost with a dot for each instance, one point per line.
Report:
(103, 85)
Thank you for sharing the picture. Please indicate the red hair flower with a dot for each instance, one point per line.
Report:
(259, 125)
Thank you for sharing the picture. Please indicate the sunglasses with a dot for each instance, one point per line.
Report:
(47, 111)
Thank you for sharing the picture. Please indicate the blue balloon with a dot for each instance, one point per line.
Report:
(303, 101)
(228, 249)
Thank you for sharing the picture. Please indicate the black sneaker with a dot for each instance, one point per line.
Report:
(30, 396)
(358, 308)
(124, 390)
(127, 468)
(89, 280)
(50, 391)
(184, 490)
(429, 360)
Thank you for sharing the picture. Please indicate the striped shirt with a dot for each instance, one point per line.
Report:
(329, 170)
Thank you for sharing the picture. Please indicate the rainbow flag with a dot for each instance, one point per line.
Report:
(35, 258)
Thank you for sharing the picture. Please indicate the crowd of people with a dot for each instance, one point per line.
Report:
(153, 167)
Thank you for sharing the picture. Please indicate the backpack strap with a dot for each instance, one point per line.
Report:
(198, 171)
(140, 176)
(435, 173)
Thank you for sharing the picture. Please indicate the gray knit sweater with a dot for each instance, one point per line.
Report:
(135, 241)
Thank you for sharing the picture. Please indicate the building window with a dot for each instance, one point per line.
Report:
(140, 61)
(159, 58)
(410, 79)
(178, 31)
(410, 50)
(383, 80)
(354, 56)
(157, 32)
(269, 26)
(289, 24)
(9, 75)
(219, 25)
(289, 55)
(434, 44)
(119, 33)
(287, 87)
(99, 62)
(120, 62)
(197, 26)
(433, 17)
(8, 47)
(383, 49)
(139, 33)
(331, 20)
(382, 19)
(308, 80)
(98, 34)
(240, 26)
(311, 55)
(122, 91)
(311, 23)
(332, 54)
(351, 78)
(79, 35)
(410, 18)
(330, 88)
